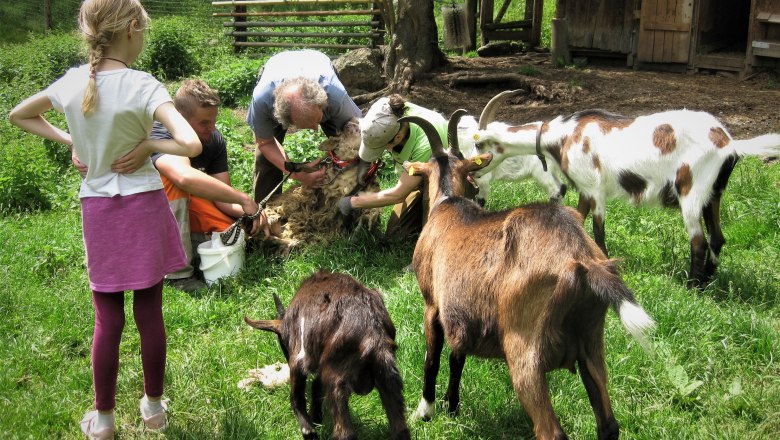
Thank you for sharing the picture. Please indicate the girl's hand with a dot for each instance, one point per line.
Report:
(80, 166)
(132, 161)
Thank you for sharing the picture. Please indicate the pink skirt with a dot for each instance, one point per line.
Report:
(131, 242)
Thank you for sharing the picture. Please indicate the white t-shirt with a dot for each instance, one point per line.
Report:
(123, 117)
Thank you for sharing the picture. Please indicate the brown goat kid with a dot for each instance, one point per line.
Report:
(526, 285)
(339, 330)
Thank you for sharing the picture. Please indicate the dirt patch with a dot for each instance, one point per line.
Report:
(747, 107)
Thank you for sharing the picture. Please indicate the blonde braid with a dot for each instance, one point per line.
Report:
(90, 94)
(100, 21)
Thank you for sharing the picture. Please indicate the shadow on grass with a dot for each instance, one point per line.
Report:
(233, 426)
(744, 286)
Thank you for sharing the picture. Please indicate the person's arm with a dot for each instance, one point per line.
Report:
(405, 185)
(232, 209)
(274, 153)
(185, 141)
(28, 115)
(179, 171)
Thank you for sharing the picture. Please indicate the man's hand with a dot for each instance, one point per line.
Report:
(261, 223)
(362, 170)
(315, 179)
(258, 223)
(80, 166)
(132, 161)
(345, 206)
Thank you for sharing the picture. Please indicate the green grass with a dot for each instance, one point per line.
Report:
(714, 372)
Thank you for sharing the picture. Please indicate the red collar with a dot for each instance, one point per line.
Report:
(338, 163)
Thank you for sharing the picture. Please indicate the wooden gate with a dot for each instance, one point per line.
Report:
(307, 23)
(665, 31)
(529, 29)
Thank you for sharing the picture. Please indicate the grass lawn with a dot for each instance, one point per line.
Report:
(714, 372)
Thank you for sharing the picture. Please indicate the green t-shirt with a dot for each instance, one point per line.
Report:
(417, 148)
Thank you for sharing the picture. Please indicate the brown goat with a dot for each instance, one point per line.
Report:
(526, 285)
(339, 330)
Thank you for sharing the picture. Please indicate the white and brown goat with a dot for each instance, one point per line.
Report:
(526, 285)
(303, 214)
(513, 169)
(678, 158)
(339, 330)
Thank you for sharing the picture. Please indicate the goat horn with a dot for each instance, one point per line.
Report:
(279, 307)
(452, 132)
(489, 112)
(437, 149)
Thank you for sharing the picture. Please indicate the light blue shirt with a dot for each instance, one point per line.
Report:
(309, 64)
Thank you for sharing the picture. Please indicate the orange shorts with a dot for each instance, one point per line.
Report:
(204, 215)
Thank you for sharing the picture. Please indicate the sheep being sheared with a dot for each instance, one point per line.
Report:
(310, 215)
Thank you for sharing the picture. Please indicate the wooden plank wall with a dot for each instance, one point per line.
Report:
(665, 35)
(760, 31)
(600, 24)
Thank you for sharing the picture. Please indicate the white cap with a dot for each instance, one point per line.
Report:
(377, 128)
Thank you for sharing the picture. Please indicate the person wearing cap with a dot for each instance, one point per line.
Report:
(295, 89)
(380, 131)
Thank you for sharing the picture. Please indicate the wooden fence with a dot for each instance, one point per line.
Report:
(307, 23)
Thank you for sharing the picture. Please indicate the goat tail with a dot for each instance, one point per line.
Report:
(764, 145)
(604, 281)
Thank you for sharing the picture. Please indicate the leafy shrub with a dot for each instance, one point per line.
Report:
(235, 80)
(27, 176)
(39, 62)
(168, 54)
(240, 146)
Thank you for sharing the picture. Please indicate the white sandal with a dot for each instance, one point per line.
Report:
(87, 424)
(156, 421)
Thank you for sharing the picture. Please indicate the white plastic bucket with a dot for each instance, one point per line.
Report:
(219, 261)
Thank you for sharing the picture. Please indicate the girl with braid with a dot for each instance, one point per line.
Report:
(130, 235)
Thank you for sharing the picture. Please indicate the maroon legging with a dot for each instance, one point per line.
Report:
(109, 322)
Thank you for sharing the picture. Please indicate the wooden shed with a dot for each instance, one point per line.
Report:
(682, 35)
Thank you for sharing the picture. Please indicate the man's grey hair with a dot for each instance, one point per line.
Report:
(309, 95)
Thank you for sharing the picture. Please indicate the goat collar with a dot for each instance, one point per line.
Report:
(539, 146)
(368, 179)
(341, 164)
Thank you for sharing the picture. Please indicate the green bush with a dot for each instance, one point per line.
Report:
(168, 54)
(27, 176)
(39, 62)
(235, 80)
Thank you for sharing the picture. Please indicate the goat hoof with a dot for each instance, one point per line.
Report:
(310, 435)
(424, 410)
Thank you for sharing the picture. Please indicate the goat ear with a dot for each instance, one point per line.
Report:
(478, 162)
(280, 312)
(271, 325)
(416, 168)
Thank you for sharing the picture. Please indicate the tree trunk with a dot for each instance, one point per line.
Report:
(414, 49)
(47, 15)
